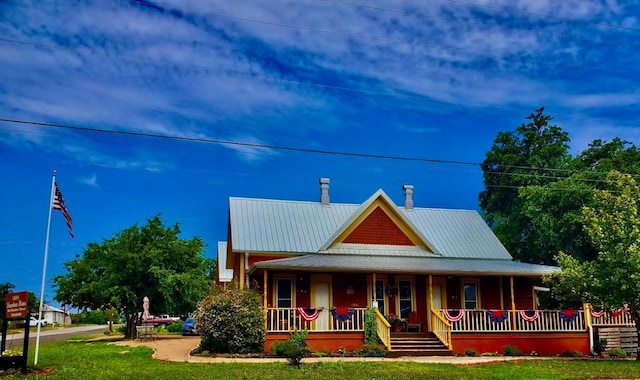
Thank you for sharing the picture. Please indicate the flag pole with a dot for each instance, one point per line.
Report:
(44, 266)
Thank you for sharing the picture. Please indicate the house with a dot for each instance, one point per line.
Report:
(442, 272)
(53, 315)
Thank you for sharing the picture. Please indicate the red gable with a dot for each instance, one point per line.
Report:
(378, 228)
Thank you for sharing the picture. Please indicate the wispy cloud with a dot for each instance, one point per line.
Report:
(91, 180)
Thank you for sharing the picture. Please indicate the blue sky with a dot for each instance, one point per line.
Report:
(434, 80)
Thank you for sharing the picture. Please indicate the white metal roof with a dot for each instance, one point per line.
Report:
(224, 274)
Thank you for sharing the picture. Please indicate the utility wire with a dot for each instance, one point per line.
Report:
(541, 15)
(391, 41)
(308, 150)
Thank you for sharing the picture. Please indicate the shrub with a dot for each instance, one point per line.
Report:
(230, 321)
(278, 348)
(175, 327)
(372, 350)
(370, 327)
(511, 351)
(122, 330)
(295, 348)
(471, 352)
(618, 353)
(600, 346)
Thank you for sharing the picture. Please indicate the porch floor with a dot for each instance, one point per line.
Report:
(416, 344)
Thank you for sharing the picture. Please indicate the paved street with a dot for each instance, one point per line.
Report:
(15, 340)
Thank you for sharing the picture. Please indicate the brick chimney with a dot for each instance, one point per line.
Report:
(324, 191)
(408, 196)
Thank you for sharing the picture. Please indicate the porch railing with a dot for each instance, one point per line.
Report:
(612, 318)
(288, 319)
(383, 329)
(441, 328)
(540, 321)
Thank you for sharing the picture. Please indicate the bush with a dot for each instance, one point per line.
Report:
(471, 352)
(511, 351)
(570, 354)
(600, 346)
(370, 327)
(372, 350)
(278, 348)
(122, 330)
(295, 348)
(618, 353)
(231, 321)
(175, 327)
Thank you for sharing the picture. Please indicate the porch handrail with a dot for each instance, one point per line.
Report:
(441, 328)
(383, 329)
(525, 321)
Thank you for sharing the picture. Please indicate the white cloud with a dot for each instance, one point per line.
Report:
(91, 180)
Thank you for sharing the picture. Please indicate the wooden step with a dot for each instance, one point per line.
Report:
(417, 344)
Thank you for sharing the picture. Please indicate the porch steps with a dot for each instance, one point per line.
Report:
(416, 344)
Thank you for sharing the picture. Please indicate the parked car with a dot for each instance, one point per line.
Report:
(33, 321)
(189, 327)
(167, 316)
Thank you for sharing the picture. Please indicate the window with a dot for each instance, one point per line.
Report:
(470, 295)
(405, 298)
(284, 292)
(379, 295)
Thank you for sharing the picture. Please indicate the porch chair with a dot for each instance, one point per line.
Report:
(414, 321)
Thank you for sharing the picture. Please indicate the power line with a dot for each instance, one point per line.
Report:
(542, 15)
(479, 24)
(314, 151)
(388, 40)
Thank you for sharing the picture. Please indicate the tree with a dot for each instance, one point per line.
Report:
(527, 156)
(142, 261)
(613, 278)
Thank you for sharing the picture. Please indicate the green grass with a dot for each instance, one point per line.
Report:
(102, 360)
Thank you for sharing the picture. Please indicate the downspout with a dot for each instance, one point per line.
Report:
(587, 319)
(513, 304)
(375, 291)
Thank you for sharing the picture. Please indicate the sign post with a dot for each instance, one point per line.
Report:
(17, 307)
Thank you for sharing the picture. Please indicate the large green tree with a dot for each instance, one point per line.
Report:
(530, 155)
(613, 278)
(149, 260)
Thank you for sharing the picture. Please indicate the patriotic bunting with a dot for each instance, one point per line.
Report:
(568, 315)
(596, 313)
(453, 315)
(342, 313)
(308, 314)
(529, 315)
(498, 315)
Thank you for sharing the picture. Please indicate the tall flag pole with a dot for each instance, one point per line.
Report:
(56, 202)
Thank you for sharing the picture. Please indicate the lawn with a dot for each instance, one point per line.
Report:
(102, 360)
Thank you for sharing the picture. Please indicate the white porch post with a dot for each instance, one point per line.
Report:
(513, 304)
(264, 298)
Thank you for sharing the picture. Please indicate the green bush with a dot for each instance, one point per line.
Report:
(471, 352)
(370, 327)
(372, 350)
(600, 346)
(618, 353)
(122, 330)
(278, 348)
(511, 351)
(570, 354)
(295, 348)
(231, 321)
(175, 327)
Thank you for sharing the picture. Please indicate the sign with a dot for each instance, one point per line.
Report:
(17, 305)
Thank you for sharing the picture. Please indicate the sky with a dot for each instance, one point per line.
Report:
(228, 84)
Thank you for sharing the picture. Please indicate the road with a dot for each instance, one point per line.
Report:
(15, 340)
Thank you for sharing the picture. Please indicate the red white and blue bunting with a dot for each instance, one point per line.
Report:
(498, 315)
(619, 312)
(529, 315)
(453, 315)
(308, 314)
(342, 313)
(568, 315)
(596, 313)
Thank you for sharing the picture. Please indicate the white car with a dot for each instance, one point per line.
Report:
(33, 321)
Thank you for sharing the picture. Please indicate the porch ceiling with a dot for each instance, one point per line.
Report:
(407, 265)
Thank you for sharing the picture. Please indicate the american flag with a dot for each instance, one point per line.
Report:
(58, 204)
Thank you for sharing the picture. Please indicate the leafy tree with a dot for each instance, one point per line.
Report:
(142, 261)
(527, 156)
(613, 278)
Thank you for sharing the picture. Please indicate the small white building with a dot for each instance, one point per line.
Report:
(53, 315)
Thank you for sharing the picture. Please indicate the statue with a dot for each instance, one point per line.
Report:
(145, 306)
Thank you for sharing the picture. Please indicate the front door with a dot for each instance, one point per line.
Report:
(321, 299)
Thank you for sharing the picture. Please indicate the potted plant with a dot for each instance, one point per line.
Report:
(395, 322)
